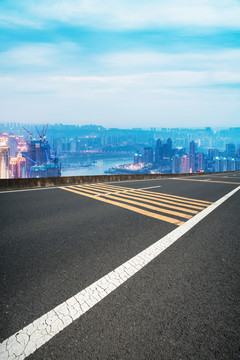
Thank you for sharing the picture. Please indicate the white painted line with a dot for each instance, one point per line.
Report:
(23, 190)
(127, 181)
(57, 187)
(33, 336)
(150, 187)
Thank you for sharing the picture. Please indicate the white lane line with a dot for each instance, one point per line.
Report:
(57, 187)
(150, 187)
(82, 184)
(33, 336)
(23, 190)
(127, 181)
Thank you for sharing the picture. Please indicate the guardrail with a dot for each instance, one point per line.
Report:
(17, 184)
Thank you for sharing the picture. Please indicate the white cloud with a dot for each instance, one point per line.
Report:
(134, 14)
(39, 55)
(171, 108)
(95, 87)
(220, 60)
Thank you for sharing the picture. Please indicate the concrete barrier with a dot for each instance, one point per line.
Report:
(17, 184)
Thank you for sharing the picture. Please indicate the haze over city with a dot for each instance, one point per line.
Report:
(120, 64)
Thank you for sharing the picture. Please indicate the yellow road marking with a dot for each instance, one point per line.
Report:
(92, 191)
(157, 200)
(210, 181)
(153, 193)
(153, 196)
(174, 201)
(144, 205)
(155, 208)
(133, 196)
(86, 187)
(128, 207)
(116, 188)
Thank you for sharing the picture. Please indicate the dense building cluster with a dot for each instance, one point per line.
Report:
(177, 160)
(154, 150)
(26, 158)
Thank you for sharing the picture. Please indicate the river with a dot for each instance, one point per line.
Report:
(98, 168)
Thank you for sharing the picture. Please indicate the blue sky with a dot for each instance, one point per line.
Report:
(119, 63)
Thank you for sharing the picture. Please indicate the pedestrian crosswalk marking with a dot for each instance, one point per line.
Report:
(159, 203)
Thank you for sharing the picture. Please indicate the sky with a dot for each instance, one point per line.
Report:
(120, 63)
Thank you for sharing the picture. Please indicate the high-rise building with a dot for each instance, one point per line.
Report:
(18, 166)
(230, 150)
(39, 160)
(200, 162)
(158, 152)
(192, 157)
(192, 148)
(148, 155)
(169, 147)
(217, 164)
(185, 164)
(13, 145)
(176, 165)
(4, 162)
(138, 157)
(212, 153)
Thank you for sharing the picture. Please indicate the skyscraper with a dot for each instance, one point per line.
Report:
(192, 157)
(13, 145)
(200, 161)
(176, 165)
(185, 166)
(18, 166)
(230, 150)
(4, 162)
(138, 157)
(158, 152)
(148, 155)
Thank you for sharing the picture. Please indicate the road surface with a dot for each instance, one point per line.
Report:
(127, 270)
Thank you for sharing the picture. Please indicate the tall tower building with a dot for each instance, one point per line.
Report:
(13, 145)
(176, 165)
(200, 162)
(4, 162)
(230, 150)
(192, 148)
(192, 157)
(18, 166)
(185, 166)
(138, 157)
(148, 155)
(169, 146)
(158, 152)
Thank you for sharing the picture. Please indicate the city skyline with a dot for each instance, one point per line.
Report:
(120, 64)
(73, 150)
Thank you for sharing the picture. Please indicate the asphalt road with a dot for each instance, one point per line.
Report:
(183, 305)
